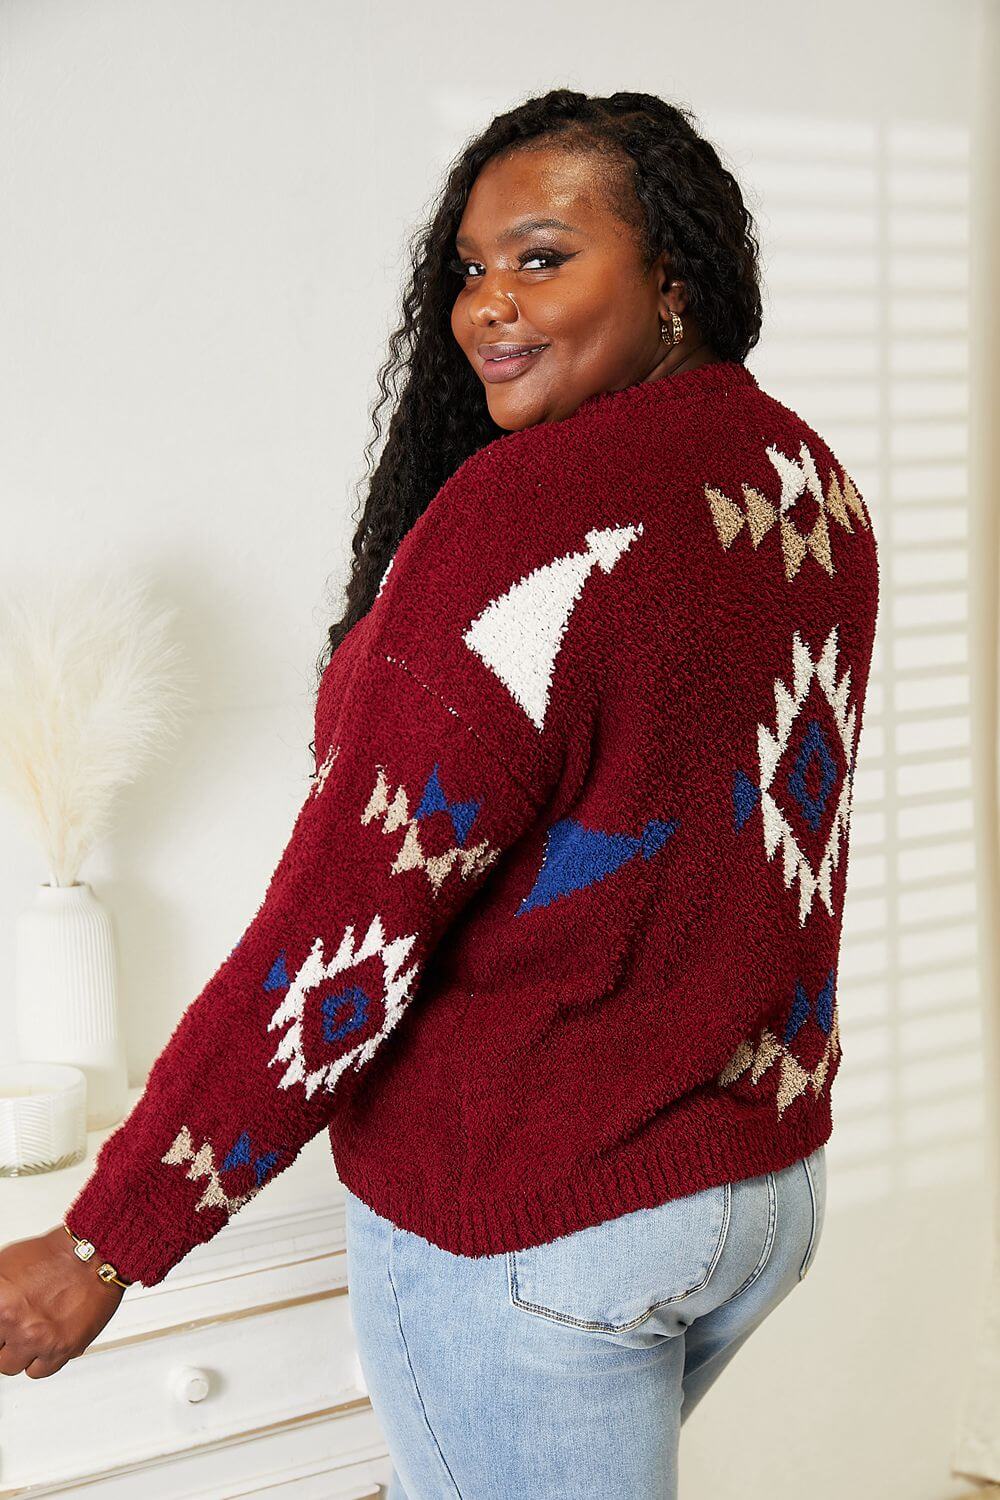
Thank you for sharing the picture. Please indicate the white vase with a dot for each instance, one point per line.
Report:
(67, 994)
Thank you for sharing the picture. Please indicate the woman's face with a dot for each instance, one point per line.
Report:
(574, 284)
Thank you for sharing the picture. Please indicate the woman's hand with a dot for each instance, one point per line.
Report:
(52, 1305)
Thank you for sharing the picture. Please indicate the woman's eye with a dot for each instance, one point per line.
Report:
(550, 257)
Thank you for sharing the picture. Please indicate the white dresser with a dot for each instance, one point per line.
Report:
(237, 1375)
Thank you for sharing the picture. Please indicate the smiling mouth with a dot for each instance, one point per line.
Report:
(508, 366)
(502, 359)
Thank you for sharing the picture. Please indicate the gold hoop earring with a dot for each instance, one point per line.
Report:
(676, 330)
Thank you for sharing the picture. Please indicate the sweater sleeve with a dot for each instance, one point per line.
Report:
(408, 812)
(471, 686)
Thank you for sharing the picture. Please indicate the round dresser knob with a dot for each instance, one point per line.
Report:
(189, 1383)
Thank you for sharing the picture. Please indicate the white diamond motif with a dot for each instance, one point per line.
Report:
(771, 746)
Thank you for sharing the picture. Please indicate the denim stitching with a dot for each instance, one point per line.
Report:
(409, 1366)
(807, 1258)
(765, 1254)
(567, 1318)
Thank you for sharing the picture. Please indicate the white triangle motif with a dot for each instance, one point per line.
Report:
(797, 475)
(518, 634)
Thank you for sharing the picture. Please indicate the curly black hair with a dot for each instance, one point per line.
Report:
(662, 177)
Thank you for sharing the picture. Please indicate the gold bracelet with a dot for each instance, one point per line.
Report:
(83, 1250)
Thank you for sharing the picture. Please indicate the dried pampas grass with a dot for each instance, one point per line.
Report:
(91, 691)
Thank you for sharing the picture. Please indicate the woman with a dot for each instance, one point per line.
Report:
(585, 749)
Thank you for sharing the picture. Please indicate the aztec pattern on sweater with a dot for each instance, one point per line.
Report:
(556, 931)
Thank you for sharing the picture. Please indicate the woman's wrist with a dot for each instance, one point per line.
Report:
(83, 1250)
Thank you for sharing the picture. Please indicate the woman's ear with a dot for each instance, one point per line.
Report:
(671, 292)
(674, 295)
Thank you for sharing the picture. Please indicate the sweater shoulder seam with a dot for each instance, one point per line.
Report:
(404, 666)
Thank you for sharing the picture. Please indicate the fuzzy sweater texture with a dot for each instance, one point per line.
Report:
(555, 934)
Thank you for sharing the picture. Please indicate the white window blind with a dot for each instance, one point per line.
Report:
(865, 247)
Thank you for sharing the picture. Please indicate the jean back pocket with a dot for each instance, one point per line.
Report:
(611, 1277)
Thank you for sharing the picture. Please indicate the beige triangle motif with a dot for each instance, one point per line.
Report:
(202, 1164)
(726, 515)
(835, 502)
(840, 499)
(794, 548)
(761, 514)
(818, 541)
(793, 1078)
(181, 1149)
(395, 814)
(853, 499)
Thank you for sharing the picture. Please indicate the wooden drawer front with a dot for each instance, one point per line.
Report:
(120, 1403)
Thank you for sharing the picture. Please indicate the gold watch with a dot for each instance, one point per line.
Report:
(83, 1250)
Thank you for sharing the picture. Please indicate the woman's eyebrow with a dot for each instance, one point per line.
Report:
(524, 228)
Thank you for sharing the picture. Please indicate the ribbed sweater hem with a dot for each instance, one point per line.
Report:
(643, 1173)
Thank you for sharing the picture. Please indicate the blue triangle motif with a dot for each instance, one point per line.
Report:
(263, 1165)
(655, 835)
(277, 978)
(242, 1153)
(799, 1012)
(745, 798)
(463, 814)
(802, 1006)
(824, 1003)
(576, 857)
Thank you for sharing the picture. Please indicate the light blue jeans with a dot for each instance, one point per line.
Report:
(564, 1371)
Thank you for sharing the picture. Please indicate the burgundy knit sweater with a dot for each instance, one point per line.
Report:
(555, 935)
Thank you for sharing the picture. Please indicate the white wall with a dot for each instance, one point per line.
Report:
(203, 212)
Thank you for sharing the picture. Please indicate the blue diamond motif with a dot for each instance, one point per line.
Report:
(358, 1002)
(814, 746)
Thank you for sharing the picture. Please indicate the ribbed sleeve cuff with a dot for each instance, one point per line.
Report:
(134, 1223)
